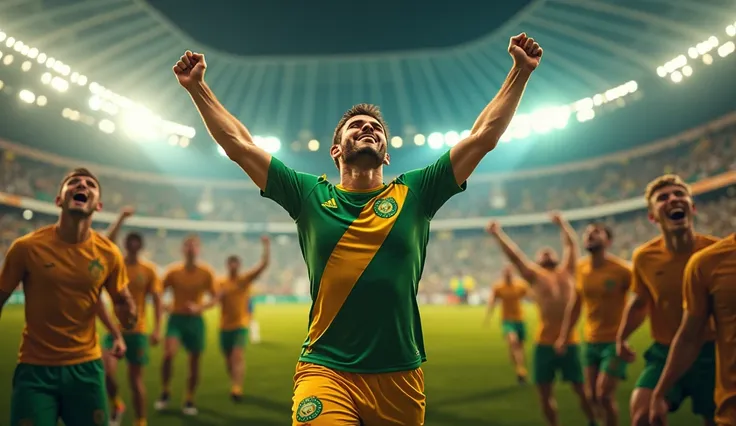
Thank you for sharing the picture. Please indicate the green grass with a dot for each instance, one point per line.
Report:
(468, 377)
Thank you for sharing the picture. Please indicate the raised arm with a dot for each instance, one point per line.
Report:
(495, 118)
(114, 229)
(253, 273)
(12, 273)
(570, 248)
(526, 268)
(225, 129)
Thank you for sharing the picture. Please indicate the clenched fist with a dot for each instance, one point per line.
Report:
(190, 69)
(525, 51)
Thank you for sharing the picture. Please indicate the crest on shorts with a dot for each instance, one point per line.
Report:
(95, 268)
(385, 207)
(309, 409)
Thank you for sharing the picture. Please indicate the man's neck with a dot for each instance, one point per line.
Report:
(680, 241)
(131, 259)
(358, 179)
(233, 275)
(73, 230)
(597, 258)
(190, 263)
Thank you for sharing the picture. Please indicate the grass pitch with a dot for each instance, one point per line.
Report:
(469, 380)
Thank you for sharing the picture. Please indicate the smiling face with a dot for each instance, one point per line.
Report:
(361, 138)
(79, 194)
(671, 204)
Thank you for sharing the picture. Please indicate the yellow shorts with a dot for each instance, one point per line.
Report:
(325, 397)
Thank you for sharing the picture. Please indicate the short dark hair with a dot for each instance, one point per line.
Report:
(360, 109)
(193, 238)
(134, 236)
(80, 172)
(607, 229)
(233, 258)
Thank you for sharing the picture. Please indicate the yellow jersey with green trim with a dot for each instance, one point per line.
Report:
(365, 253)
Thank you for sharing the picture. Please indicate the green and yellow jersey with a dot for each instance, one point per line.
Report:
(365, 254)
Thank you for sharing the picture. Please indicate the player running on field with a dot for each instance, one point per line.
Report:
(552, 284)
(709, 292)
(364, 243)
(658, 267)
(602, 287)
(511, 292)
(64, 267)
(234, 316)
(189, 281)
(144, 283)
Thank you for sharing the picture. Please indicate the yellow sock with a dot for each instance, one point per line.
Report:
(141, 422)
(236, 390)
(521, 371)
(116, 402)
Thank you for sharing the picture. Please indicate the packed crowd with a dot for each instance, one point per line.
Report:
(450, 254)
(694, 155)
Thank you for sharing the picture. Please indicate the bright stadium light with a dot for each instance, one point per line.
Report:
(397, 142)
(661, 72)
(33, 53)
(707, 59)
(46, 78)
(41, 101)
(10, 42)
(464, 134)
(452, 138)
(313, 145)
(60, 84)
(726, 49)
(687, 71)
(174, 140)
(8, 59)
(676, 76)
(27, 96)
(106, 126)
(269, 144)
(184, 142)
(585, 115)
(731, 31)
(41, 58)
(3, 36)
(435, 140)
(419, 139)
(26, 66)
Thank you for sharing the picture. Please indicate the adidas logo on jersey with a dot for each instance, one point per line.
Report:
(330, 204)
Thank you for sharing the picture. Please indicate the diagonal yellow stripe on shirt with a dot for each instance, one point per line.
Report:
(352, 254)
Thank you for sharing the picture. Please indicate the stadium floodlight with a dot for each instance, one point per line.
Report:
(435, 140)
(174, 140)
(95, 103)
(419, 139)
(41, 58)
(3, 36)
(26, 66)
(27, 214)
(50, 62)
(692, 53)
(82, 80)
(313, 145)
(585, 115)
(46, 78)
(730, 31)
(2, 84)
(183, 142)
(661, 72)
(464, 134)
(42, 101)
(687, 71)
(452, 138)
(18, 46)
(676, 76)
(27, 96)
(106, 126)
(10, 41)
(8, 59)
(726, 49)
(25, 50)
(33, 53)
(60, 84)
(598, 99)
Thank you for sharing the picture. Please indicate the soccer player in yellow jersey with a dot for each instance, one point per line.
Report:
(364, 242)
(709, 293)
(189, 282)
(511, 292)
(601, 287)
(144, 283)
(551, 282)
(657, 270)
(64, 267)
(235, 296)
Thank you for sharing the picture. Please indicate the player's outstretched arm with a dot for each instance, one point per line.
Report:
(225, 129)
(689, 338)
(114, 229)
(495, 118)
(517, 257)
(261, 266)
(570, 248)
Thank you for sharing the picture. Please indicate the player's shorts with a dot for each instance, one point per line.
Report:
(547, 363)
(325, 397)
(137, 347)
(518, 327)
(188, 329)
(231, 339)
(603, 357)
(698, 383)
(74, 393)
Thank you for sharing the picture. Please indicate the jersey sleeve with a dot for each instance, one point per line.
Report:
(155, 284)
(117, 278)
(434, 184)
(287, 187)
(14, 267)
(638, 286)
(695, 289)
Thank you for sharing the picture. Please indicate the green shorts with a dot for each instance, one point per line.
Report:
(231, 339)
(518, 327)
(188, 329)
(547, 363)
(137, 347)
(603, 357)
(73, 393)
(698, 383)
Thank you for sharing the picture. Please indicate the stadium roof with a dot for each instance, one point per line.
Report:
(290, 70)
